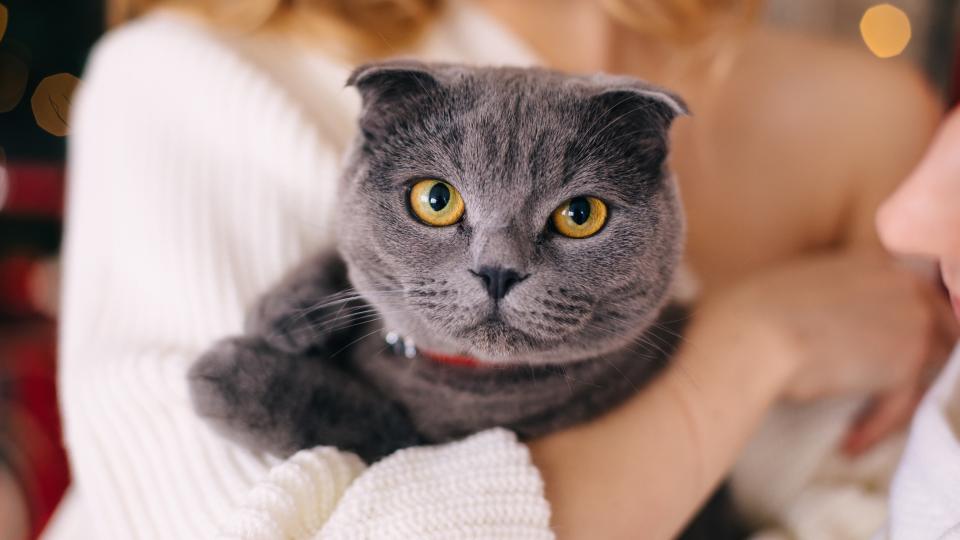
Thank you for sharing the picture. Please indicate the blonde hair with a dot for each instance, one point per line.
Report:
(371, 28)
(685, 22)
(359, 28)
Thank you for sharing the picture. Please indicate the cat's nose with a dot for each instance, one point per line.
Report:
(498, 280)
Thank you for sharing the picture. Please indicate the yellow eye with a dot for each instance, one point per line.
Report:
(580, 217)
(436, 202)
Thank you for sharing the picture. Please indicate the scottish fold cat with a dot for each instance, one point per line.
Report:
(507, 240)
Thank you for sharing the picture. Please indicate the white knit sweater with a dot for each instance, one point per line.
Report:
(202, 167)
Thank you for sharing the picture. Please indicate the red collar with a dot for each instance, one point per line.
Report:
(461, 361)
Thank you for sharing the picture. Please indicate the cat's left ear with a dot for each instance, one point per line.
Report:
(634, 114)
(627, 99)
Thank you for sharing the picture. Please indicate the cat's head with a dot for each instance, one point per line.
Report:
(511, 215)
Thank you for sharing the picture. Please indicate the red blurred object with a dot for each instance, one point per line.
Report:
(34, 189)
(28, 411)
(955, 99)
(18, 278)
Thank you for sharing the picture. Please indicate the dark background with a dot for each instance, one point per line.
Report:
(49, 37)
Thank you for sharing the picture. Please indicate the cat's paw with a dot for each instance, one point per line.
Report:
(269, 400)
(238, 387)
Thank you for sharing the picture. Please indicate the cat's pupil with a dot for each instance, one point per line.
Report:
(579, 210)
(439, 196)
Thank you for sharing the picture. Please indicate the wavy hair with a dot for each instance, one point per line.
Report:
(371, 28)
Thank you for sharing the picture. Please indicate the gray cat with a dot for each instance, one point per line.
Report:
(511, 233)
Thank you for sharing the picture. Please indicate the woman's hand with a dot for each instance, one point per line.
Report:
(851, 323)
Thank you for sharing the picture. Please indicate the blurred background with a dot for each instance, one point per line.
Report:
(43, 47)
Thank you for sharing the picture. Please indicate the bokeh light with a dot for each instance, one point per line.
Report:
(885, 30)
(3, 21)
(13, 80)
(51, 103)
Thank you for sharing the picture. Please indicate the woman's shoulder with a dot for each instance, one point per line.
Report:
(851, 125)
(822, 121)
(138, 45)
(170, 75)
(821, 87)
(152, 64)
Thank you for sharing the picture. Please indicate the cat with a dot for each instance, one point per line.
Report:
(507, 241)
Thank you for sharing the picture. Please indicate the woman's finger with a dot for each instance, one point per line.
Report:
(884, 416)
(893, 410)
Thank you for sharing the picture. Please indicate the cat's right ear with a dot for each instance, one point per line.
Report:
(386, 85)
(392, 80)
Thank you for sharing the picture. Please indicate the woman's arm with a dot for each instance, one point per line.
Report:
(647, 466)
(184, 204)
(644, 469)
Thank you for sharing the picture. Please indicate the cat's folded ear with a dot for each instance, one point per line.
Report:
(649, 106)
(390, 91)
(384, 82)
(627, 99)
(633, 115)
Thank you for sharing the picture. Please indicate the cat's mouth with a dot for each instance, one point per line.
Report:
(531, 329)
(496, 340)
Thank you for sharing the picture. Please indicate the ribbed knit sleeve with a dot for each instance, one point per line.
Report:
(193, 185)
(195, 181)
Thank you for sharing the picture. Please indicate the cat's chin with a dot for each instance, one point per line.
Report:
(497, 343)
(494, 341)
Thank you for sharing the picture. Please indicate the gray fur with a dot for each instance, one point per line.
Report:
(573, 339)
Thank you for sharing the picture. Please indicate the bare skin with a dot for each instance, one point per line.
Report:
(782, 169)
(788, 154)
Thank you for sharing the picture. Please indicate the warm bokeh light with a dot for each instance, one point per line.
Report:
(13, 80)
(3, 20)
(51, 102)
(885, 30)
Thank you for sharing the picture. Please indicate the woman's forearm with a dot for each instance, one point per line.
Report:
(642, 470)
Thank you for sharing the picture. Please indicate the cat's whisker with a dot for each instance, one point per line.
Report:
(365, 318)
(645, 339)
(352, 343)
(367, 311)
(629, 345)
(350, 294)
(328, 322)
(306, 312)
(622, 374)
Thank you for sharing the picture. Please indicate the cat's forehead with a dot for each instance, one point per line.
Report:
(513, 95)
(535, 87)
(526, 128)
(536, 130)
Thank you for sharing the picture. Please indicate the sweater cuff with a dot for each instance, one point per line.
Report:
(484, 486)
(296, 497)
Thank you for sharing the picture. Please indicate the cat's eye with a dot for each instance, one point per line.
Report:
(436, 202)
(580, 217)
